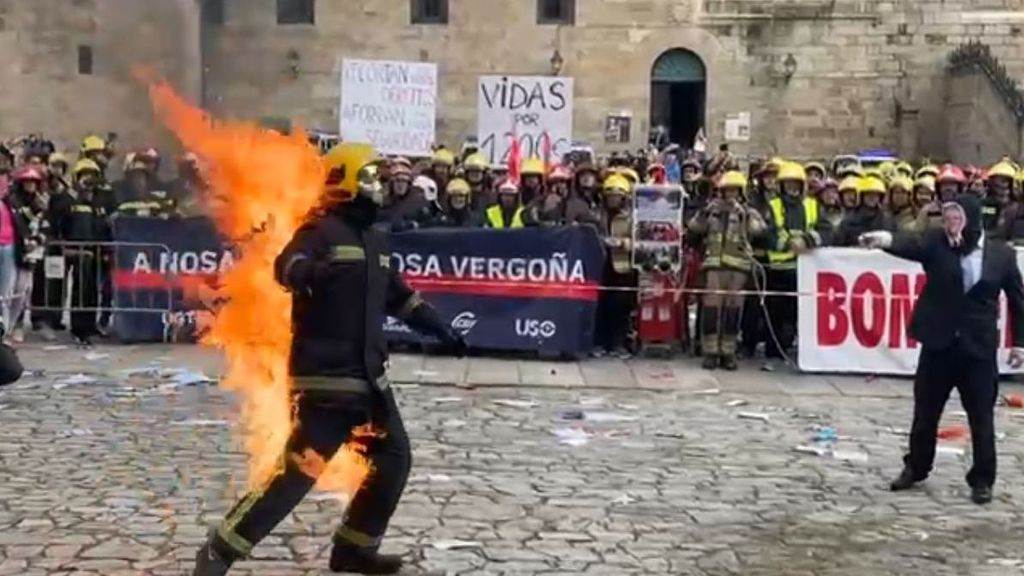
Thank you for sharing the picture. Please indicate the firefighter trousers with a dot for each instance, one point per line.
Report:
(325, 422)
(84, 296)
(720, 317)
(782, 312)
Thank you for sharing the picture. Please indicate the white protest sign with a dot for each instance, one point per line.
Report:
(389, 104)
(855, 308)
(537, 109)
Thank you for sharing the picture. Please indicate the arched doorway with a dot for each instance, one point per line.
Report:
(678, 93)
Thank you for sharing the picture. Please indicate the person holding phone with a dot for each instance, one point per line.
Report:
(956, 320)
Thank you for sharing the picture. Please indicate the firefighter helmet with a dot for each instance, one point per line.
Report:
(533, 167)
(871, 185)
(904, 167)
(475, 161)
(444, 156)
(343, 164)
(86, 165)
(561, 173)
(458, 187)
(616, 184)
(926, 182)
(901, 182)
(850, 183)
(792, 171)
(26, 173)
(950, 173)
(815, 166)
(1003, 169)
(93, 143)
(733, 179)
(927, 170)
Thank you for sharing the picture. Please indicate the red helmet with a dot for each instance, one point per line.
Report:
(28, 173)
(560, 173)
(950, 172)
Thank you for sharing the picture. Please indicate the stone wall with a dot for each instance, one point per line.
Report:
(42, 91)
(980, 127)
(865, 69)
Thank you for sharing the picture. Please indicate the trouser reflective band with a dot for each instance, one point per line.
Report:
(226, 530)
(336, 384)
(346, 535)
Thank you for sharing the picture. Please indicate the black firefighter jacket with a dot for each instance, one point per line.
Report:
(342, 286)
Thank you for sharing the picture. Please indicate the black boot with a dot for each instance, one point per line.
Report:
(729, 363)
(210, 563)
(710, 362)
(906, 480)
(346, 558)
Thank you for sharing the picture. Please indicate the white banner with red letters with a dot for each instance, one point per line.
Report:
(854, 312)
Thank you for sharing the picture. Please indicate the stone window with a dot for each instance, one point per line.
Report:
(85, 60)
(296, 12)
(213, 12)
(429, 11)
(556, 11)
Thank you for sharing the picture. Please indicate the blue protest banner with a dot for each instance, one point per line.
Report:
(154, 262)
(520, 290)
(525, 290)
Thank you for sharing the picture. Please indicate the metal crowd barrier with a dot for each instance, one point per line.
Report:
(80, 277)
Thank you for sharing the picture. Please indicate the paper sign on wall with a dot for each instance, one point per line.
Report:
(389, 104)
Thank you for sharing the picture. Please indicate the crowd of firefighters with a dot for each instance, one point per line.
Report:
(64, 204)
(741, 233)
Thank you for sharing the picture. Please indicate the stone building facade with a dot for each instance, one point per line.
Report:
(817, 77)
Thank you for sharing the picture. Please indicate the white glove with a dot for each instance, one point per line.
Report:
(1016, 359)
(878, 239)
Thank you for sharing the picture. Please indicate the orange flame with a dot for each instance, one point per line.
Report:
(262, 187)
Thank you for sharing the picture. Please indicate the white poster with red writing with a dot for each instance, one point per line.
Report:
(854, 312)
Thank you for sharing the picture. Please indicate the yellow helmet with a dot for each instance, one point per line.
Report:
(926, 182)
(616, 184)
(631, 175)
(872, 185)
(444, 156)
(903, 182)
(58, 158)
(904, 167)
(1020, 176)
(343, 163)
(850, 183)
(1004, 169)
(928, 170)
(887, 168)
(851, 170)
(874, 173)
(733, 179)
(93, 143)
(776, 163)
(86, 165)
(458, 186)
(475, 161)
(792, 171)
(533, 166)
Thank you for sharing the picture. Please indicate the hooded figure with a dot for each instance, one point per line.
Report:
(956, 322)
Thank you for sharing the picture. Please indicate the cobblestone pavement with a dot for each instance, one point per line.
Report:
(664, 475)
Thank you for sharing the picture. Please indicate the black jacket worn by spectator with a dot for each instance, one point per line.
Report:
(338, 268)
(945, 314)
(405, 212)
(862, 220)
(74, 219)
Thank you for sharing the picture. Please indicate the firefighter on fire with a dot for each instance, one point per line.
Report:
(338, 269)
(727, 226)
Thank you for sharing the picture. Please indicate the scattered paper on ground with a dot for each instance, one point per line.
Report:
(517, 403)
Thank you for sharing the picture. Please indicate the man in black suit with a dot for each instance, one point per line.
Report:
(956, 322)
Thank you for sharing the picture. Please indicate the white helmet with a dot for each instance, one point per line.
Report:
(428, 187)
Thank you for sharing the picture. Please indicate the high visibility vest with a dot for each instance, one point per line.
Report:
(497, 219)
(780, 258)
